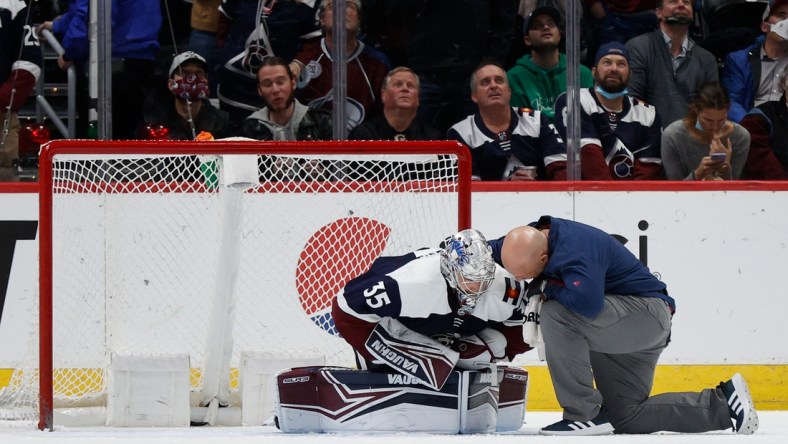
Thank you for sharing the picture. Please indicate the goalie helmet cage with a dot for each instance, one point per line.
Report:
(134, 249)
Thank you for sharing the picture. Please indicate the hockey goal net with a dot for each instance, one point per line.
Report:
(216, 249)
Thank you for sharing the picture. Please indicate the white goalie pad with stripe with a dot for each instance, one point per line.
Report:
(330, 399)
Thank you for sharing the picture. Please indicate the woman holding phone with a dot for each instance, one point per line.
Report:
(705, 145)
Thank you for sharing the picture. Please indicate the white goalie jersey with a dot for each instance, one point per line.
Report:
(412, 290)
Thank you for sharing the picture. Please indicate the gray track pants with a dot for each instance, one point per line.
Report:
(619, 348)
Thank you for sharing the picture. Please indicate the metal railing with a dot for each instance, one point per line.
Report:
(42, 104)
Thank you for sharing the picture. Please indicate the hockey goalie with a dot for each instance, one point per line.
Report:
(427, 329)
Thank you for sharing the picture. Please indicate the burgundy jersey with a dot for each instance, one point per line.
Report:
(366, 69)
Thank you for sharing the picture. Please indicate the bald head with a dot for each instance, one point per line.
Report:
(524, 252)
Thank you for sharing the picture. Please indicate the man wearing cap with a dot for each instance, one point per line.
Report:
(620, 135)
(752, 75)
(667, 66)
(508, 143)
(183, 110)
(539, 77)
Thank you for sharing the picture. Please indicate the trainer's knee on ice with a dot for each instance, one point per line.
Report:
(624, 419)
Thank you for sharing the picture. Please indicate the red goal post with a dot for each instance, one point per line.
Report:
(122, 219)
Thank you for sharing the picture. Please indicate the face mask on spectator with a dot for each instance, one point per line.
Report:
(190, 88)
(610, 95)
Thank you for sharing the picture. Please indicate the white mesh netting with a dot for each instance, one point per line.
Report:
(138, 244)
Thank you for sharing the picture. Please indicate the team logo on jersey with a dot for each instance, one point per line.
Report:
(313, 69)
(513, 291)
(334, 254)
(621, 165)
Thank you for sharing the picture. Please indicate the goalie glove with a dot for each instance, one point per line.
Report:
(411, 353)
(477, 351)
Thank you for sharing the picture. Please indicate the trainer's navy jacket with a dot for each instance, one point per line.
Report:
(585, 263)
(411, 289)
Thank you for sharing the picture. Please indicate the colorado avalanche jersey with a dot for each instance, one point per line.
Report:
(411, 289)
(630, 136)
(530, 140)
(249, 41)
(366, 68)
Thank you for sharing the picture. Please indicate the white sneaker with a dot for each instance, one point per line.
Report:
(740, 406)
(600, 425)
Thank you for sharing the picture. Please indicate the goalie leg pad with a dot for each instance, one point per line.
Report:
(512, 400)
(410, 353)
(479, 397)
(330, 399)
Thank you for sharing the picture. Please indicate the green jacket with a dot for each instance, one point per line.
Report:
(537, 88)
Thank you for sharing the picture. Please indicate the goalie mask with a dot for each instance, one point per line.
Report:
(468, 267)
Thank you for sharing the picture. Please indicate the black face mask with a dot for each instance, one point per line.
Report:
(678, 20)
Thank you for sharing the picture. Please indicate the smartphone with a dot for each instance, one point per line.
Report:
(718, 157)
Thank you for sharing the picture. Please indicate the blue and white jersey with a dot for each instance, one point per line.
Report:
(627, 136)
(530, 140)
(411, 289)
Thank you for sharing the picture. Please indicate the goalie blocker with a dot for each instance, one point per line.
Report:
(331, 399)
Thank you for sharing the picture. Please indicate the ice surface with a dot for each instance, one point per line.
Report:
(773, 430)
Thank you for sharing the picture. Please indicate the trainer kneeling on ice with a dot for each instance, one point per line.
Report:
(426, 328)
(605, 321)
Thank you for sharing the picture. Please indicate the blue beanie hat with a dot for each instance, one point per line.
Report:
(611, 48)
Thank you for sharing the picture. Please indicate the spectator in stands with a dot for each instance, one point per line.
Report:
(667, 67)
(284, 117)
(751, 74)
(366, 68)
(446, 41)
(204, 23)
(248, 32)
(620, 135)
(400, 97)
(504, 139)
(583, 33)
(688, 145)
(539, 78)
(767, 124)
(183, 109)
(135, 44)
(20, 68)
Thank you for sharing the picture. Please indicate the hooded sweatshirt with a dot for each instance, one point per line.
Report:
(537, 88)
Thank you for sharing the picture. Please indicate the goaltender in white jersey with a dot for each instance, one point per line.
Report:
(453, 302)
(426, 327)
